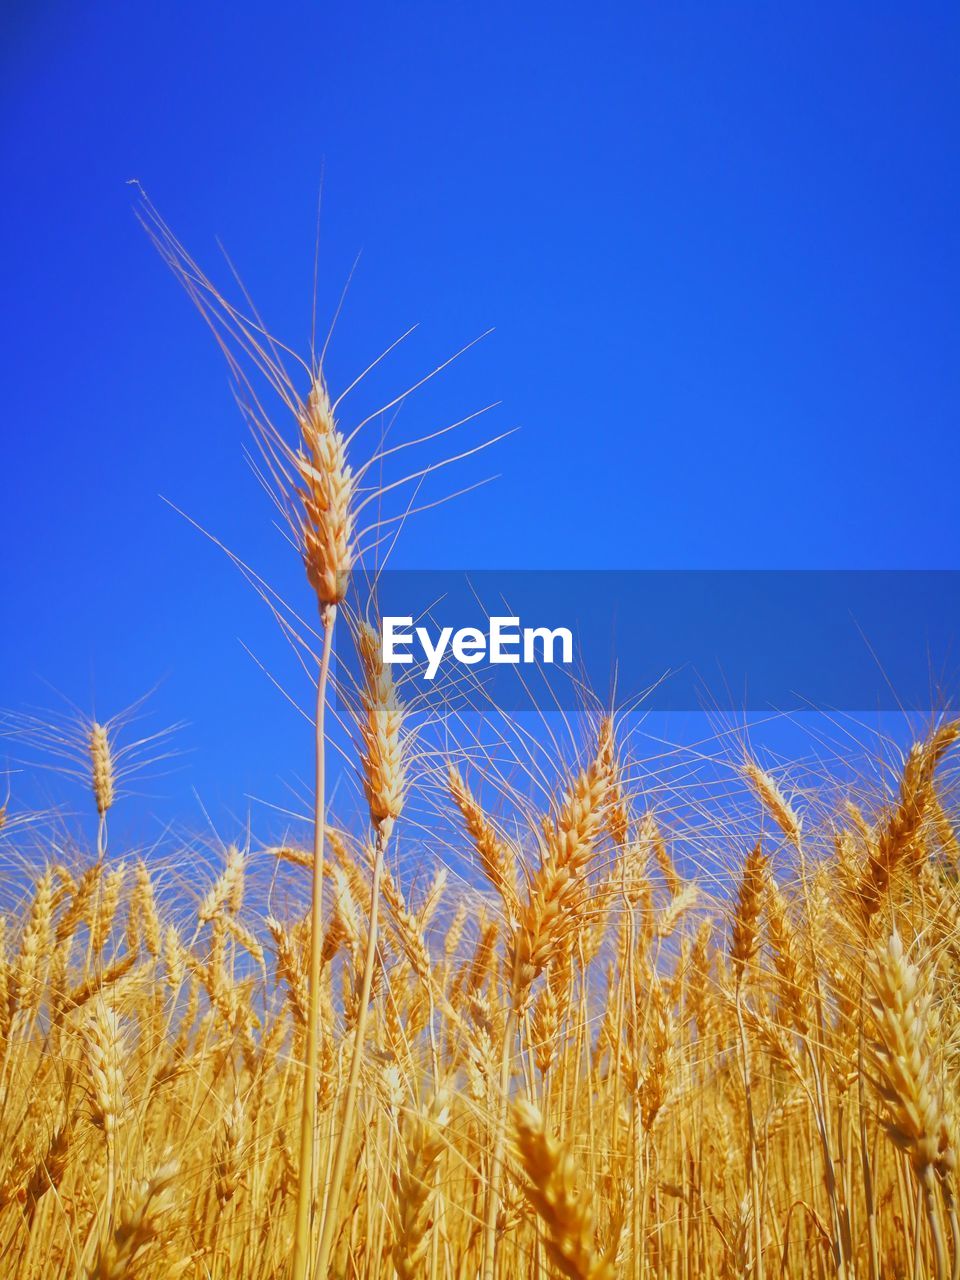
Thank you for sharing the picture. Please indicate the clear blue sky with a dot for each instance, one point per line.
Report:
(718, 244)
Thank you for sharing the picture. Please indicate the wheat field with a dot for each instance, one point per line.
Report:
(605, 1047)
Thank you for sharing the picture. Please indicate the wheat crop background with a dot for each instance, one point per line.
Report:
(610, 1044)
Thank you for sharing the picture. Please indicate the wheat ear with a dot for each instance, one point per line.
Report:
(913, 1106)
(144, 1221)
(415, 1185)
(564, 1208)
(103, 777)
(104, 1043)
(902, 825)
(773, 800)
(496, 860)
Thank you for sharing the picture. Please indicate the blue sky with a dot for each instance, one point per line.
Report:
(718, 245)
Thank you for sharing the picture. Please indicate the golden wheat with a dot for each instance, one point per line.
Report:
(562, 1064)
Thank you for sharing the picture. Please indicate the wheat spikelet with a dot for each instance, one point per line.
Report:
(214, 975)
(778, 1044)
(897, 834)
(794, 982)
(433, 898)
(289, 968)
(333, 939)
(227, 889)
(106, 907)
(83, 896)
(270, 1044)
(344, 914)
(454, 933)
(496, 861)
(326, 495)
(246, 938)
(699, 1002)
(49, 1170)
(103, 775)
(228, 1157)
(544, 1027)
(556, 890)
(304, 857)
(415, 1186)
(144, 1218)
(564, 1207)
(105, 1052)
(862, 827)
(745, 934)
(618, 811)
(653, 1088)
(66, 885)
(298, 857)
(26, 980)
(482, 965)
(773, 800)
(946, 834)
(407, 928)
(905, 1079)
(383, 754)
(945, 900)
(684, 900)
(174, 961)
(143, 910)
(649, 836)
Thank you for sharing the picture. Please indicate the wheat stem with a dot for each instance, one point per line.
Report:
(349, 1106)
(307, 1178)
(499, 1146)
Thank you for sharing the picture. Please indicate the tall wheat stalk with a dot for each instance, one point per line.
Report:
(326, 537)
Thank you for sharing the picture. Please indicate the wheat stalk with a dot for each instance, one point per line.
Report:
(551, 1188)
(914, 1115)
(415, 1184)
